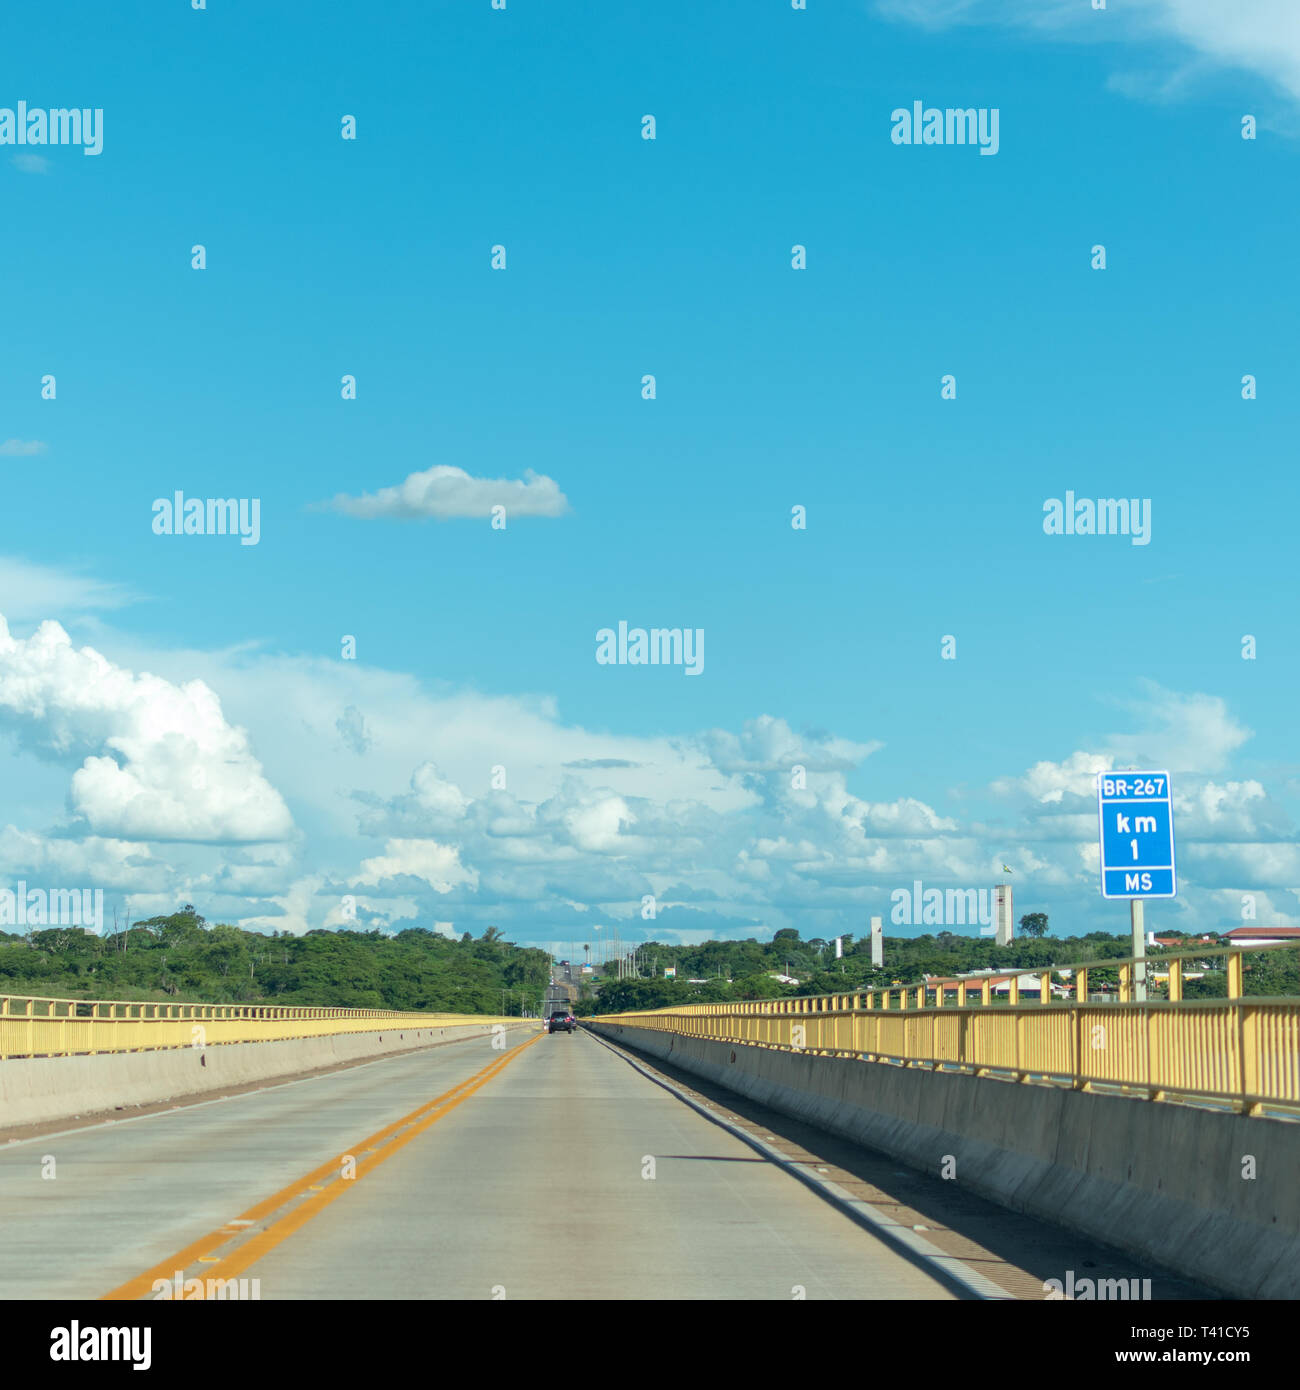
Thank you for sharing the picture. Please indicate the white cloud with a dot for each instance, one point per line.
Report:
(31, 164)
(437, 796)
(768, 744)
(1192, 733)
(160, 761)
(30, 591)
(906, 816)
(443, 492)
(596, 825)
(1256, 36)
(1228, 811)
(22, 448)
(599, 820)
(436, 864)
(257, 870)
(592, 821)
(1242, 866)
(1048, 783)
(295, 909)
(100, 863)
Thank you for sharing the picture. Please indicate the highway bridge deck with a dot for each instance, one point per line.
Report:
(551, 1169)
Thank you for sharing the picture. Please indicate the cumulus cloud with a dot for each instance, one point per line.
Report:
(802, 849)
(443, 493)
(1189, 733)
(160, 762)
(1049, 783)
(1224, 811)
(104, 863)
(768, 744)
(436, 864)
(596, 823)
(423, 828)
(433, 804)
(1185, 733)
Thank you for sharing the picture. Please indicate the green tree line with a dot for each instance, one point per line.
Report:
(721, 971)
(180, 956)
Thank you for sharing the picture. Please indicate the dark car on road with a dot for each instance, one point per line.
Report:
(561, 1021)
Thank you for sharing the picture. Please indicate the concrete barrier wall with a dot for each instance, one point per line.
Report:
(36, 1089)
(1163, 1181)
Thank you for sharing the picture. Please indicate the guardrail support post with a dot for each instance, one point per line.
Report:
(1234, 975)
(1248, 1059)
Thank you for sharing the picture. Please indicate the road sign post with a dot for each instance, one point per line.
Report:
(1139, 950)
(1135, 815)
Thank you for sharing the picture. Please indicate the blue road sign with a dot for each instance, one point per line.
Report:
(1136, 814)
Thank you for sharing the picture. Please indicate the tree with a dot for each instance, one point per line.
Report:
(1033, 924)
(1273, 973)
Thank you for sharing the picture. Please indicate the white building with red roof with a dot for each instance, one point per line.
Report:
(1261, 936)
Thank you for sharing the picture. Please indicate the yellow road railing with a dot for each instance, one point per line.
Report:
(1244, 1051)
(36, 1027)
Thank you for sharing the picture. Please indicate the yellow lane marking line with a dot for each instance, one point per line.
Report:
(239, 1259)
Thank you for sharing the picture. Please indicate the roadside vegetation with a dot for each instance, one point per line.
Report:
(721, 971)
(182, 957)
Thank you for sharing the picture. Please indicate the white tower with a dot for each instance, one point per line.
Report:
(1002, 918)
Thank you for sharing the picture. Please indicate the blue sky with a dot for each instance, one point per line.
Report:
(320, 779)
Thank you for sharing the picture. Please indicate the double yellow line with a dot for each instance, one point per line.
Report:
(307, 1197)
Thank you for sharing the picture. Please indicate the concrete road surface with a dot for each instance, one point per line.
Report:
(556, 1171)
